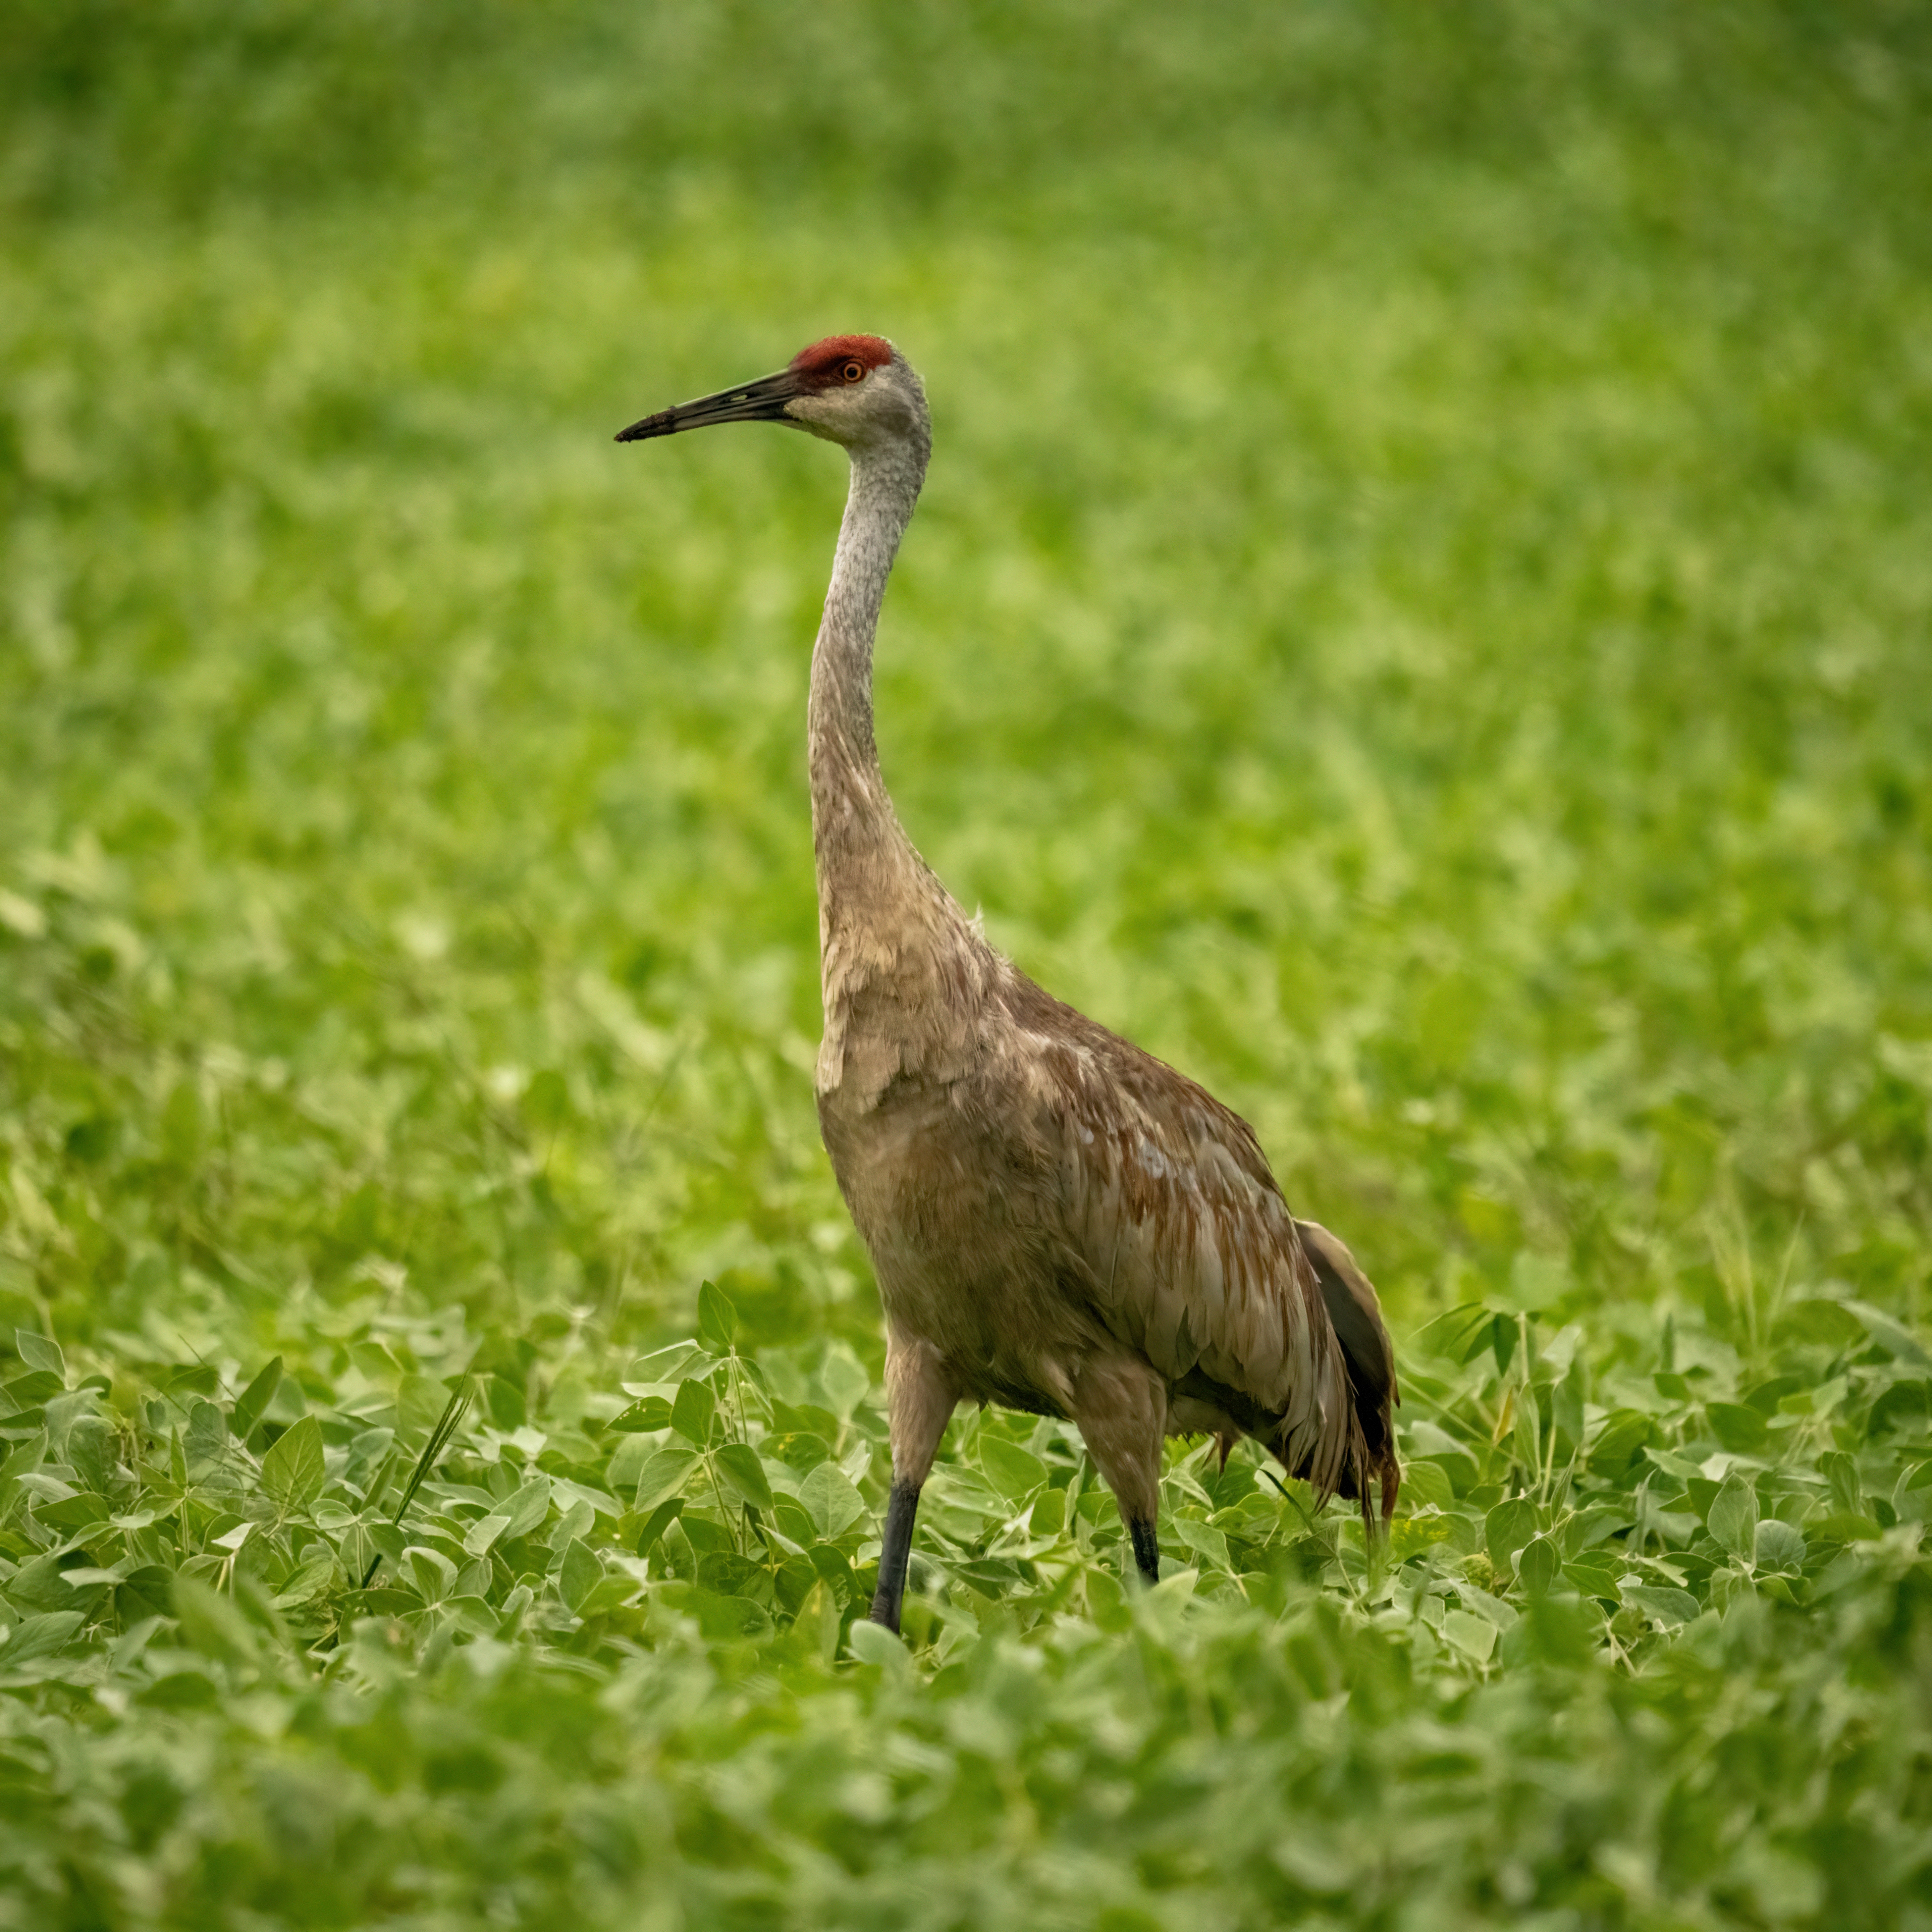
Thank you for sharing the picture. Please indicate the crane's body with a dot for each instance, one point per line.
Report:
(1059, 1222)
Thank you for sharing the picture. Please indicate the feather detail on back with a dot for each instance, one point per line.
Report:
(1176, 1232)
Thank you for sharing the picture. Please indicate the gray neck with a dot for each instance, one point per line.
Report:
(854, 828)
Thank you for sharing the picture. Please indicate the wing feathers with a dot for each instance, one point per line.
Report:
(1181, 1239)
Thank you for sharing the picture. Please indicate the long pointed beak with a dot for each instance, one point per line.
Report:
(762, 401)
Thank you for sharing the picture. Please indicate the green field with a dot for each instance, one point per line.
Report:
(1419, 616)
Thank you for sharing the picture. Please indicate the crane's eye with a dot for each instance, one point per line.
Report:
(853, 372)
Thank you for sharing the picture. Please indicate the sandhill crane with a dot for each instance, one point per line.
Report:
(1059, 1222)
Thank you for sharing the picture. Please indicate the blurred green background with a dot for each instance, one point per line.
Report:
(1419, 617)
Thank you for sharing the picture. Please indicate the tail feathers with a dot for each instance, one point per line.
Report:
(1355, 1314)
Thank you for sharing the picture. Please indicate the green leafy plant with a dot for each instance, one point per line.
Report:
(1418, 616)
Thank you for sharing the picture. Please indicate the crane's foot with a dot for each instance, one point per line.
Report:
(901, 1509)
(1147, 1550)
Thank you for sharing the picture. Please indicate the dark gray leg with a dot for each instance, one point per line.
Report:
(900, 1509)
(1146, 1549)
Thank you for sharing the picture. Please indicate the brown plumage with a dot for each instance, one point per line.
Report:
(1059, 1222)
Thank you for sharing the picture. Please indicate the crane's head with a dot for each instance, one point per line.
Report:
(856, 390)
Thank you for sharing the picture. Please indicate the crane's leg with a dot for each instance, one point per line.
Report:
(919, 1401)
(1121, 1405)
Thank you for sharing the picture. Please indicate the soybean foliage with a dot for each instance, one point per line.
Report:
(1418, 616)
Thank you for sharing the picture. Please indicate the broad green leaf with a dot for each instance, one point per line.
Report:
(85, 1577)
(1502, 1340)
(791, 1520)
(72, 1512)
(211, 1623)
(1820, 1322)
(357, 1550)
(653, 1412)
(1621, 1435)
(1555, 1630)
(1537, 1564)
(35, 1637)
(1204, 1540)
(1733, 1518)
(396, 1599)
(1595, 1573)
(833, 1505)
(1890, 1334)
(207, 1433)
(526, 1507)
(663, 1476)
(717, 1319)
(193, 1379)
(1661, 1604)
(649, 1373)
(147, 1591)
(36, 1585)
(609, 1593)
(432, 1573)
(292, 1470)
(1566, 1407)
(1016, 1473)
(252, 1403)
(1425, 1484)
(743, 1474)
(659, 1520)
(473, 1615)
(37, 1352)
(1474, 1637)
(21, 1458)
(844, 1380)
(515, 1606)
(692, 1412)
(43, 1490)
(728, 1619)
(731, 1575)
(873, 1643)
(307, 1581)
(1780, 1546)
(576, 1520)
(188, 1689)
(1107, 1604)
(25, 1393)
(578, 1572)
(1527, 1436)
(1738, 1426)
(1506, 1528)
(389, 1538)
(482, 1535)
(564, 1491)
(420, 1403)
(1841, 1472)
(1482, 1604)
(833, 1566)
(1457, 1336)
(627, 1462)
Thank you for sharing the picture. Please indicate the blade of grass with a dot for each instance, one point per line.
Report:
(439, 1439)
